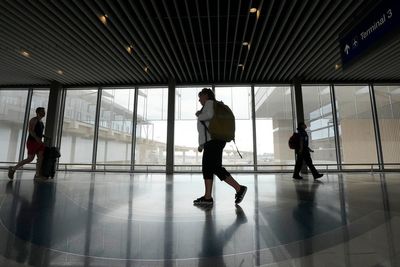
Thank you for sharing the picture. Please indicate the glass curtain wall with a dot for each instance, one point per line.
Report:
(115, 128)
(388, 109)
(274, 126)
(78, 127)
(356, 127)
(12, 113)
(239, 100)
(319, 119)
(151, 129)
(186, 135)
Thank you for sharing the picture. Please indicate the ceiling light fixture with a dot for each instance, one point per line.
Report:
(253, 10)
(338, 66)
(246, 44)
(258, 14)
(60, 72)
(129, 49)
(104, 19)
(146, 69)
(25, 53)
(241, 66)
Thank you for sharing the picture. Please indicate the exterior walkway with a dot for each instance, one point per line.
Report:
(119, 219)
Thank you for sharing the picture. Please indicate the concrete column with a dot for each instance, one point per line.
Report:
(170, 127)
(298, 102)
(298, 96)
(53, 113)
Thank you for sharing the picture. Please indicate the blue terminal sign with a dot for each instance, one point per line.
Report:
(376, 28)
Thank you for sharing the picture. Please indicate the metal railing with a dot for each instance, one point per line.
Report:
(249, 168)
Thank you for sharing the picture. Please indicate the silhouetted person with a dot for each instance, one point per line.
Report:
(33, 223)
(213, 243)
(305, 215)
(212, 155)
(34, 145)
(303, 154)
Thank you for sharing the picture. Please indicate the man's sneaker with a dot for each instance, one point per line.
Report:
(297, 177)
(240, 195)
(203, 201)
(11, 172)
(319, 175)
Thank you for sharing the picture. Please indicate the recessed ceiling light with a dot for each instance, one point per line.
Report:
(245, 43)
(338, 66)
(25, 53)
(253, 10)
(241, 66)
(60, 72)
(104, 19)
(146, 69)
(129, 49)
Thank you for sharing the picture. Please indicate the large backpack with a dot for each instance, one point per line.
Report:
(294, 141)
(222, 124)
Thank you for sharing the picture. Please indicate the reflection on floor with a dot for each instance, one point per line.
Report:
(109, 219)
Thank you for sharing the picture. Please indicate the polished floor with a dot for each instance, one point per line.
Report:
(120, 219)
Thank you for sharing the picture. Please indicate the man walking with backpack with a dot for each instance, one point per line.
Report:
(212, 155)
(303, 153)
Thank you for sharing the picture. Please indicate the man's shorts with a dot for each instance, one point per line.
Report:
(34, 147)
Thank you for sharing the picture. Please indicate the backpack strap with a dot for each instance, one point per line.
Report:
(237, 149)
(205, 129)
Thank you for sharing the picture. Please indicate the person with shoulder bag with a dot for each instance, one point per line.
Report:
(303, 153)
(212, 152)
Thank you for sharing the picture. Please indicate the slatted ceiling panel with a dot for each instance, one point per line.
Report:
(181, 74)
(141, 40)
(235, 41)
(309, 41)
(265, 37)
(201, 40)
(123, 40)
(225, 40)
(74, 43)
(284, 36)
(67, 45)
(197, 41)
(287, 11)
(112, 38)
(211, 39)
(178, 22)
(190, 20)
(318, 46)
(256, 41)
(242, 37)
(249, 39)
(316, 17)
(157, 38)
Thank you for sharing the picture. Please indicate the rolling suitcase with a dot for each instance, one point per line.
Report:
(49, 161)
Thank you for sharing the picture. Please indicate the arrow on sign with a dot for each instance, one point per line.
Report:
(346, 49)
